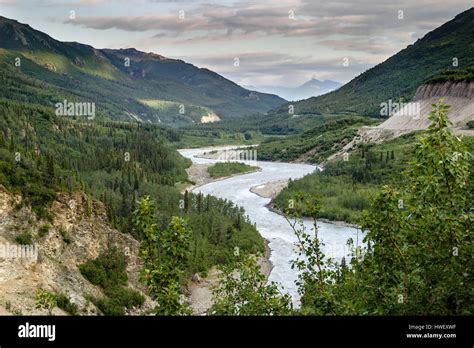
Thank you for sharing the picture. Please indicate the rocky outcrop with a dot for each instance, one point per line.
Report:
(210, 118)
(253, 96)
(77, 233)
(445, 89)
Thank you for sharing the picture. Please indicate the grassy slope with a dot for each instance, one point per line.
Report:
(163, 109)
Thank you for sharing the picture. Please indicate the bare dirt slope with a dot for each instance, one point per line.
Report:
(84, 222)
(458, 95)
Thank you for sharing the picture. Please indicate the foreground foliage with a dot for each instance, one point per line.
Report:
(165, 255)
(108, 271)
(419, 240)
(243, 291)
(417, 258)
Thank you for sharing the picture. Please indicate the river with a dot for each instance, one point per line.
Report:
(273, 226)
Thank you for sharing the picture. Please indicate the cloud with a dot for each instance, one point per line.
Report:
(324, 21)
(311, 18)
(318, 33)
(53, 3)
(263, 68)
(140, 23)
(223, 20)
(367, 45)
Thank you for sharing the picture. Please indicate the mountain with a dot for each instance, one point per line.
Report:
(125, 83)
(323, 86)
(400, 75)
(311, 88)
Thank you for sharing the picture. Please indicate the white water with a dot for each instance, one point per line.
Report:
(272, 226)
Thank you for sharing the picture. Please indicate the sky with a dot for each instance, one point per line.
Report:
(253, 43)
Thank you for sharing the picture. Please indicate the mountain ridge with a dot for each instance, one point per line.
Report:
(399, 75)
(310, 88)
(84, 71)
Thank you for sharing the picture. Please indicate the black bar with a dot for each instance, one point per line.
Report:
(291, 331)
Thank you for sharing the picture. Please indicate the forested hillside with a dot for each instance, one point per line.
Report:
(119, 80)
(345, 188)
(118, 163)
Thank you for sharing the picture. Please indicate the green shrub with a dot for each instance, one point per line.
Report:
(107, 270)
(24, 238)
(65, 304)
(126, 297)
(220, 170)
(65, 235)
(117, 300)
(43, 230)
(109, 307)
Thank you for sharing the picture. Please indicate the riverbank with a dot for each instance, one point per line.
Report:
(269, 189)
(327, 221)
(272, 189)
(200, 290)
